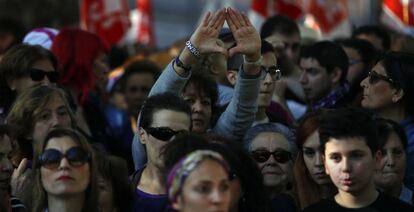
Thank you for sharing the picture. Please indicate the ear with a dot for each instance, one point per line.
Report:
(378, 162)
(398, 95)
(177, 205)
(324, 165)
(232, 77)
(213, 69)
(336, 75)
(143, 136)
(12, 84)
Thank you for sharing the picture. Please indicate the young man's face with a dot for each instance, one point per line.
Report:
(315, 80)
(267, 86)
(136, 90)
(350, 164)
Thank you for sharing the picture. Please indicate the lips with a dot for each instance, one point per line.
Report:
(347, 182)
(64, 178)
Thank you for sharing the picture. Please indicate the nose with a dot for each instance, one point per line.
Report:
(303, 79)
(216, 196)
(268, 79)
(6, 165)
(318, 160)
(45, 81)
(390, 159)
(197, 107)
(364, 82)
(64, 163)
(346, 165)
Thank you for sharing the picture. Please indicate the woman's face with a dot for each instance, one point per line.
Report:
(65, 179)
(105, 201)
(378, 93)
(356, 65)
(101, 70)
(6, 167)
(205, 189)
(39, 75)
(54, 114)
(275, 170)
(393, 163)
(312, 156)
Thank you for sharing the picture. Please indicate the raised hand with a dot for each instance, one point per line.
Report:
(205, 36)
(247, 38)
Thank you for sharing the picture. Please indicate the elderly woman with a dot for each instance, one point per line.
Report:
(23, 67)
(65, 175)
(273, 148)
(393, 144)
(200, 182)
(312, 183)
(389, 91)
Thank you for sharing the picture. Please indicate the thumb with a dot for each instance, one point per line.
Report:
(221, 50)
(234, 50)
(21, 168)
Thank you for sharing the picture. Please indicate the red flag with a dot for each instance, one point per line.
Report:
(260, 10)
(107, 18)
(328, 14)
(399, 15)
(145, 34)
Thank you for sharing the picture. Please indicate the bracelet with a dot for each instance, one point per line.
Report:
(192, 49)
(180, 64)
(255, 63)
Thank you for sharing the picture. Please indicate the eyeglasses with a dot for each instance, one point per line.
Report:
(163, 133)
(51, 158)
(274, 72)
(374, 77)
(262, 156)
(39, 75)
(134, 89)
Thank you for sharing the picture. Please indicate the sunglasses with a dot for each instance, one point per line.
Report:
(134, 89)
(163, 133)
(274, 72)
(51, 158)
(38, 75)
(374, 77)
(262, 156)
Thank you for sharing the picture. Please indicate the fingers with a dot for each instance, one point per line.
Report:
(218, 19)
(21, 168)
(234, 50)
(231, 19)
(236, 18)
(206, 19)
(246, 20)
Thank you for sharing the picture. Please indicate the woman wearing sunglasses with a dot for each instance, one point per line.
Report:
(200, 182)
(312, 183)
(389, 91)
(23, 67)
(65, 175)
(272, 146)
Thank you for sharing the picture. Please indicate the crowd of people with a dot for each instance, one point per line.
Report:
(237, 121)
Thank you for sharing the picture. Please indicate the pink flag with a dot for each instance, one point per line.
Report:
(399, 15)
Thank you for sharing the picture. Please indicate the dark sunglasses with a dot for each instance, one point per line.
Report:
(134, 89)
(274, 72)
(374, 77)
(262, 156)
(163, 133)
(51, 158)
(39, 75)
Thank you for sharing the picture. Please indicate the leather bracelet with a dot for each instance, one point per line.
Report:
(254, 63)
(192, 49)
(180, 64)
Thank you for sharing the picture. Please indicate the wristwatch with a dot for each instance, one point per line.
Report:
(180, 64)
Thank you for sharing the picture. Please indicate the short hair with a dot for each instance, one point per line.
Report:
(163, 101)
(388, 126)
(13, 26)
(266, 47)
(346, 123)
(399, 67)
(289, 134)
(364, 48)
(138, 67)
(329, 55)
(279, 24)
(76, 51)
(204, 84)
(374, 30)
(39, 194)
